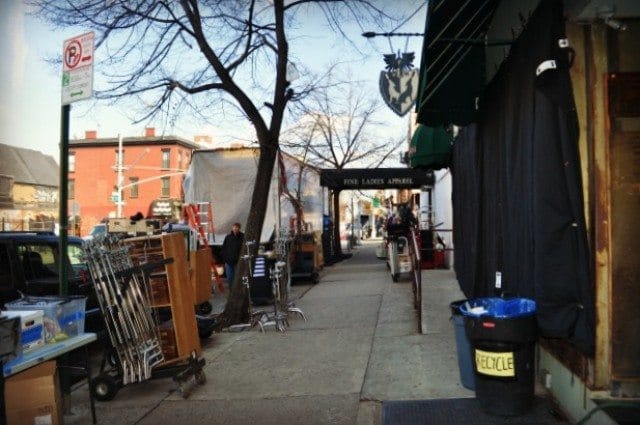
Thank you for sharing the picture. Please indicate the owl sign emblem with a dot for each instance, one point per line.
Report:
(399, 83)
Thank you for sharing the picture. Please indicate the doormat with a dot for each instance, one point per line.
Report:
(464, 411)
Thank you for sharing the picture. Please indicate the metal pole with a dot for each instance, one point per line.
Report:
(353, 223)
(63, 194)
(279, 200)
(120, 177)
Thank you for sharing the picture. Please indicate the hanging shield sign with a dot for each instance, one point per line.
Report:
(399, 89)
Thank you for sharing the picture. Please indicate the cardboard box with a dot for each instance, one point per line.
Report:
(32, 397)
(31, 329)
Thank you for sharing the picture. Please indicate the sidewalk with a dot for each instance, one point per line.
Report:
(360, 346)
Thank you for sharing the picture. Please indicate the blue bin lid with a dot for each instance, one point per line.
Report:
(499, 307)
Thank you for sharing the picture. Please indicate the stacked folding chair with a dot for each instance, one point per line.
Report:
(124, 301)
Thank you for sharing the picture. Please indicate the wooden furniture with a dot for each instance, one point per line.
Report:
(306, 256)
(200, 274)
(170, 290)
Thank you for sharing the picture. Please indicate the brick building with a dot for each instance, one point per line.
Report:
(152, 173)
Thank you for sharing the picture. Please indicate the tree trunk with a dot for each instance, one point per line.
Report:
(237, 307)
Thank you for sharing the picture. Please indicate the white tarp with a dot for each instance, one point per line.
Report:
(225, 177)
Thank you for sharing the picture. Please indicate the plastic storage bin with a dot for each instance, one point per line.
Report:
(503, 334)
(63, 316)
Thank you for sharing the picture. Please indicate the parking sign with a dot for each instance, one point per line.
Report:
(77, 68)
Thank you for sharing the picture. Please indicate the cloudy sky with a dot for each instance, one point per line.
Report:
(30, 109)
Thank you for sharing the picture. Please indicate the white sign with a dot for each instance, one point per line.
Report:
(77, 68)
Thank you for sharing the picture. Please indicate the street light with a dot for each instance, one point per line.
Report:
(119, 178)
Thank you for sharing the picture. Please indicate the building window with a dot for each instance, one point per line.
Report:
(133, 193)
(166, 158)
(71, 189)
(72, 162)
(165, 187)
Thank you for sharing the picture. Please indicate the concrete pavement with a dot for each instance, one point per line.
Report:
(359, 347)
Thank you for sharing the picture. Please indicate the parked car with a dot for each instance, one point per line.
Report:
(96, 230)
(29, 265)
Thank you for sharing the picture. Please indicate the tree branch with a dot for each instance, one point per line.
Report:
(191, 9)
(193, 90)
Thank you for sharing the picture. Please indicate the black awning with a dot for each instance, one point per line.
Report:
(375, 178)
(452, 74)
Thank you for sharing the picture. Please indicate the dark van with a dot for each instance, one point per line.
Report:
(29, 265)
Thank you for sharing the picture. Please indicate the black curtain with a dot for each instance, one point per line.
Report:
(529, 222)
(466, 212)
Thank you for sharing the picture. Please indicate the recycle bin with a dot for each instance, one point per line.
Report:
(465, 359)
(502, 333)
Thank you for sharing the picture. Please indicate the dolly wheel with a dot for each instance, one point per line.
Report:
(315, 277)
(204, 334)
(184, 389)
(104, 387)
(112, 358)
(204, 308)
(395, 277)
(200, 377)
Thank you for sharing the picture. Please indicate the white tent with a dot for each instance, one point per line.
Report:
(225, 177)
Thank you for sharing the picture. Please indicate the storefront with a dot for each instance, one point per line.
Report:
(544, 191)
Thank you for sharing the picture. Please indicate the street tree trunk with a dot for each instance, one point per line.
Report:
(237, 308)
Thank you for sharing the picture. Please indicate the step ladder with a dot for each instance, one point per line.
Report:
(200, 218)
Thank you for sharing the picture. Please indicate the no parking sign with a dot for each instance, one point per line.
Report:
(77, 68)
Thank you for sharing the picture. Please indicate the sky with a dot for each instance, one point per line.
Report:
(30, 109)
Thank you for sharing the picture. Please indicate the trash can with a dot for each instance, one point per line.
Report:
(465, 359)
(502, 333)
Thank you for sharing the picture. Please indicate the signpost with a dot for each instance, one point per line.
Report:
(77, 84)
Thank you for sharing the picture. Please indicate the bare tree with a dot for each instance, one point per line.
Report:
(294, 194)
(336, 128)
(190, 55)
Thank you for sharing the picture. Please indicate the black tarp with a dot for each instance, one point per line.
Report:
(518, 174)
(466, 191)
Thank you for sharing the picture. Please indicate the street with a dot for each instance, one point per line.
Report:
(360, 346)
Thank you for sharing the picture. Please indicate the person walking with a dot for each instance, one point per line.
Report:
(231, 248)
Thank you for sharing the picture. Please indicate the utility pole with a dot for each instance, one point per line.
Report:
(119, 178)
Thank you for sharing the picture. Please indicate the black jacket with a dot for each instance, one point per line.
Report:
(231, 247)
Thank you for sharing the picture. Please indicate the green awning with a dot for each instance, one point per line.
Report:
(452, 71)
(430, 148)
